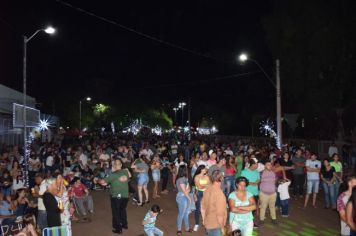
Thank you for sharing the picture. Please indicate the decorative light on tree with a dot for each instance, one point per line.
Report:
(44, 124)
(157, 130)
(266, 127)
(207, 131)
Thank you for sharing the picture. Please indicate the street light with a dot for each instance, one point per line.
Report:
(244, 57)
(181, 105)
(88, 99)
(175, 109)
(48, 30)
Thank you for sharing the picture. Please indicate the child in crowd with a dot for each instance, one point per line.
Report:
(150, 220)
(283, 186)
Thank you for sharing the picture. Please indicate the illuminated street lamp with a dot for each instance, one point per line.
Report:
(88, 99)
(175, 109)
(244, 57)
(48, 30)
(182, 105)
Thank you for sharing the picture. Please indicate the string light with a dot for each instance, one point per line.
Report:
(266, 127)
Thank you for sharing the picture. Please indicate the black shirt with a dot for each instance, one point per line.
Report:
(53, 212)
(327, 174)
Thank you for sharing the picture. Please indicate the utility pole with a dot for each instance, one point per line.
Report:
(279, 109)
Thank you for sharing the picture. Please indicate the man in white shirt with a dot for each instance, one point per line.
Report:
(332, 150)
(83, 160)
(38, 192)
(49, 163)
(313, 169)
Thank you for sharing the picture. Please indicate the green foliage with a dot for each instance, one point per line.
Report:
(315, 42)
(101, 109)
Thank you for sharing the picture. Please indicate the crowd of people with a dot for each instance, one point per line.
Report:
(228, 187)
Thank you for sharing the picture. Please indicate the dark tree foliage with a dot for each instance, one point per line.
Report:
(316, 44)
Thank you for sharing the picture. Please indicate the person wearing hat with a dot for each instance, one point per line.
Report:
(51, 204)
(119, 194)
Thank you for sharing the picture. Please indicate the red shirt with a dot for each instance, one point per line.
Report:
(79, 191)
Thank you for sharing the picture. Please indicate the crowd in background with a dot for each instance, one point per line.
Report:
(227, 186)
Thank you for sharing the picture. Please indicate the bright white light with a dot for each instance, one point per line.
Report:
(157, 130)
(43, 125)
(186, 129)
(243, 57)
(88, 99)
(50, 30)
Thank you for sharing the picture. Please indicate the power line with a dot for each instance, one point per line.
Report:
(200, 81)
(139, 33)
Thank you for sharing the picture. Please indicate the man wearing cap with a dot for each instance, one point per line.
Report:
(119, 192)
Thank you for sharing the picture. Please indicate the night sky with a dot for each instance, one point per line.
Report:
(90, 57)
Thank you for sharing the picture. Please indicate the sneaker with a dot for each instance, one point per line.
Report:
(274, 222)
(285, 216)
(261, 223)
(196, 228)
(255, 226)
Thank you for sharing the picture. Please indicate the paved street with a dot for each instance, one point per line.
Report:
(309, 222)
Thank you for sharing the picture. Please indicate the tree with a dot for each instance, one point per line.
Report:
(315, 41)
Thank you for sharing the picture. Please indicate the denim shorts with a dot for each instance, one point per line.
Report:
(312, 186)
(142, 179)
(156, 176)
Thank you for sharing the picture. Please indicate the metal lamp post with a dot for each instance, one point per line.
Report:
(175, 109)
(277, 85)
(80, 111)
(48, 30)
(182, 105)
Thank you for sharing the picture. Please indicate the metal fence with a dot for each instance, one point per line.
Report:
(8, 134)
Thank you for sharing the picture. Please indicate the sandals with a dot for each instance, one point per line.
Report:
(179, 233)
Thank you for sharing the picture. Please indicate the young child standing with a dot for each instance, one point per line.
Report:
(284, 196)
(149, 222)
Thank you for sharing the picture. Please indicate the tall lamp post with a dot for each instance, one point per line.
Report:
(175, 109)
(48, 30)
(88, 99)
(182, 105)
(277, 85)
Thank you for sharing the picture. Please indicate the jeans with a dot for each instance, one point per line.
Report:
(197, 207)
(285, 206)
(299, 181)
(229, 184)
(268, 200)
(154, 232)
(6, 191)
(42, 219)
(337, 188)
(329, 195)
(80, 202)
(183, 211)
(165, 176)
(118, 209)
(213, 232)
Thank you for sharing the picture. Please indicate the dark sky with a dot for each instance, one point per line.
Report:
(88, 56)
